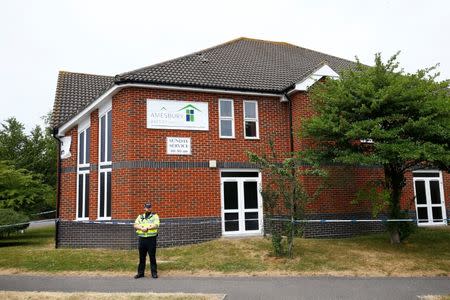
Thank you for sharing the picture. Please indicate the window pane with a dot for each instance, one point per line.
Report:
(225, 128)
(102, 195)
(109, 157)
(250, 110)
(239, 174)
(420, 192)
(230, 195)
(251, 221)
(437, 214)
(80, 195)
(81, 148)
(425, 174)
(225, 109)
(88, 144)
(86, 195)
(422, 214)
(251, 225)
(231, 222)
(251, 215)
(250, 129)
(250, 195)
(102, 138)
(435, 192)
(108, 195)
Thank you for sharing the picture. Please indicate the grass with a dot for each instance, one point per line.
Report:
(9, 295)
(425, 253)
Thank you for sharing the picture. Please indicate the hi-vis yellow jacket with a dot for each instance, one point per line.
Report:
(152, 219)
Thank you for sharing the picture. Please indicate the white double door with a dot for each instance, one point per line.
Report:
(429, 195)
(241, 203)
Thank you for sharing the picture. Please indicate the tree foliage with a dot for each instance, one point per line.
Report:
(22, 190)
(383, 116)
(27, 167)
(8, 217)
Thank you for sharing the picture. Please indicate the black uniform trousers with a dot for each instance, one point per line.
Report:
(147, 245)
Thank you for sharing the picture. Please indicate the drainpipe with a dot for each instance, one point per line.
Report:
(291, 130)
(58, 186)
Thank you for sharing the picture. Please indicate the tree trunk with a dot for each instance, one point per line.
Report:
(395, 236)
(394, 181)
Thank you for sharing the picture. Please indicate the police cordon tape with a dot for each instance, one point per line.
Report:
(44, 212)
(24, 223)
(218, 221)
(355, 220)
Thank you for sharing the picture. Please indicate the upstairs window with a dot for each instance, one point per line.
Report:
(226, 118)
(84, 142)
(251, 120)
(105, 165)
(105, 137)
(83, 170)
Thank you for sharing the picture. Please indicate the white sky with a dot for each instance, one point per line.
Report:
(39, 38)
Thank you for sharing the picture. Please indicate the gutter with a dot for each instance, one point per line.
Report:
(58, 185)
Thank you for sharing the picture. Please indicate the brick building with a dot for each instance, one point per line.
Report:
(176, 133)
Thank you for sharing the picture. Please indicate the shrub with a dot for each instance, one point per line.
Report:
(9, 216)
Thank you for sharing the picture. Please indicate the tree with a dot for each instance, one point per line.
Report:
(27, 162)
(285, 186)
(21, 189)
(12, 141)
(383, 116)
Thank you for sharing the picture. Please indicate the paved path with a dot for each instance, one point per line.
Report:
(241, 287)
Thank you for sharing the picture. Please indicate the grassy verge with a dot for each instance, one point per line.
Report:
(426, 253)
(9, 295)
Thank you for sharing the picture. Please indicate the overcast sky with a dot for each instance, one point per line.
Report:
(39, 38)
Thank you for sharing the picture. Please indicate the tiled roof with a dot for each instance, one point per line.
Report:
(242, 64)
(74, 92)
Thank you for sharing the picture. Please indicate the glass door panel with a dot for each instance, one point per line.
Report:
(231, 211)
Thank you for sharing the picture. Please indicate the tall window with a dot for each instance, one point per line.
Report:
(105, 166)
(251, 119)
(226, 118)
(83, 170)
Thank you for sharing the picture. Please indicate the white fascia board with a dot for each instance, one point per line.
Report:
(324, 71)
(107, 96)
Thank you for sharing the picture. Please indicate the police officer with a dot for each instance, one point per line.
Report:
(146, 226)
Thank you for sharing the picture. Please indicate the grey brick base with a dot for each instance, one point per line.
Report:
(173, 232)
(335, 229)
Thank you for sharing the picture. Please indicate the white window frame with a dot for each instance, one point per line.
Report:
(428, 205)
(103, 111)
(227, 118)
(241, 209)
(83, 126)
(256, 120)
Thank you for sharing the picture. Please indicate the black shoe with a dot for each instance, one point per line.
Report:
(137, 276)
(154, 275)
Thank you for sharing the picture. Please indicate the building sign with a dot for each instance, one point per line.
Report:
(178, 146)
(182, 115)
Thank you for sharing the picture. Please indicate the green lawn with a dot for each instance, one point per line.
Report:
(426, 253)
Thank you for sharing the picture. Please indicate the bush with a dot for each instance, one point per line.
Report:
(9, 216)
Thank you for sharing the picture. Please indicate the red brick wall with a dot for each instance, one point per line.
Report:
(67, 202)
(196, 191)
(183, 192)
